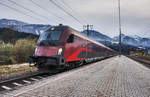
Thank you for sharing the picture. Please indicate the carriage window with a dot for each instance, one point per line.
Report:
(97, 48)
(70, 39)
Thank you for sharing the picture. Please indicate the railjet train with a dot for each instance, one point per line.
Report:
(62, 46)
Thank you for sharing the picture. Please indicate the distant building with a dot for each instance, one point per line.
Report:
(138, 52)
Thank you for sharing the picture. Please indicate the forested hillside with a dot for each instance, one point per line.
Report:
(11, 36)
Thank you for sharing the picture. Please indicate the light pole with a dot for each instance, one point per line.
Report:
(87, 27)
(119, 28)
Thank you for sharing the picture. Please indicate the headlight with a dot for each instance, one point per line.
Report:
(60, 51)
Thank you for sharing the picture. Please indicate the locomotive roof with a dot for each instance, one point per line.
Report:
(62, 27)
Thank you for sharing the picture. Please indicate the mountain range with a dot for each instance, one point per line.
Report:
(126, 39)
(98, 36)
(23, 27)
(134, 40)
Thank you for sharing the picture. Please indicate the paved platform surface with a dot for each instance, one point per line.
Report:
(114, 77)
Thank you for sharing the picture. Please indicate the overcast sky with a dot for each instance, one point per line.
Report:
(103, 14)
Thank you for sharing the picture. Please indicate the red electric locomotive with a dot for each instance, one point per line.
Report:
(62, 46)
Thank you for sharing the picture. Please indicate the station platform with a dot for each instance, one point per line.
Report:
(113, 77)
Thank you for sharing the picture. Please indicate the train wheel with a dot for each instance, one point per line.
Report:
(71, 65)
(81, 62)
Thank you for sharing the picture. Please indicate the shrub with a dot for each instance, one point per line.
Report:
(23, 49)
(12, 60)
(18, 53)
(6, 51)
(1, 42)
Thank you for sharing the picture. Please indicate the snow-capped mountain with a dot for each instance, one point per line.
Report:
(97, 35)
(134, 40)
(23, 27)
(104, 39)
(127, 40)
(136, 37)
(8, 22)
(145, 42)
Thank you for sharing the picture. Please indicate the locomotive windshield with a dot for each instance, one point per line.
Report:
(50, 35)
(49, 38)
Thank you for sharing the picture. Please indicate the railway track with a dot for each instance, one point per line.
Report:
(12, 84)
(142, 60)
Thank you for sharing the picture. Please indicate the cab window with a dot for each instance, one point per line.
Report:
(70, 39)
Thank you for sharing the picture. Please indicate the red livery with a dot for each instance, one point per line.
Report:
(63, 46)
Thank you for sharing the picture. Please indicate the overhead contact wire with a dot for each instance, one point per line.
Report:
(42, 16)
(75, 12)
(14, 9)
(46, 10)
(61, 8)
